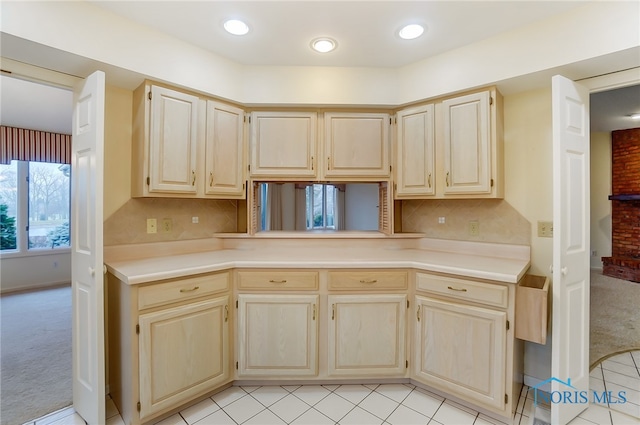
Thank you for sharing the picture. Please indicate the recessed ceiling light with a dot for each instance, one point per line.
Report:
(323, 44)
(236, 27)
(635, 116)
(410, 32)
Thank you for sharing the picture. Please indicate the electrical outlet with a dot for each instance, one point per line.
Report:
(474, 228)
(194, 220)
(545, 229)
(167, 225)
(152, 225)
(441, 220)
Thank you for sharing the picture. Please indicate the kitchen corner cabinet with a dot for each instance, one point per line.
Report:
(356, 145)
(185, 146)
(169, 343)
(283, 145)
(415, 150)
(224, 151)
(463, 341)
(472, 151)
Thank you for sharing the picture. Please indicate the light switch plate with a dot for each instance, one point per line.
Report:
(545, 229)
(152, 225)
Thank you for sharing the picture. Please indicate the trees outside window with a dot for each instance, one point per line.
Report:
(37, 195)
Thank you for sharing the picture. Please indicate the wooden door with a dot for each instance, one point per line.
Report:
(173, 141)
(224, 151)
(461, 349)
(184, 351)
(283, 144)
(467, 144)
(415, 165)
(367, 334)
(356, 145)
(87, 165)
(571, 205)
(277, 335)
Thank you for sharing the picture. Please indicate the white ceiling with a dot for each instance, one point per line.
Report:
(282, 30)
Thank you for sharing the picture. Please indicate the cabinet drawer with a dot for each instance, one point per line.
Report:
(478, 292)
(278, 280)
(367, 280)
(182, 289)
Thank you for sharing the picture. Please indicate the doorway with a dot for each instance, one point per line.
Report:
(36, 261)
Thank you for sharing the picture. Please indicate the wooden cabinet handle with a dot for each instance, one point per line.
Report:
(456, 289)
(368, 280)
(226, 313)
(211, 178)
(447, 178)
(195, 288)
(193, 174)
(418, 313)
(277, 281)
(429, 180)
(314, 313)
(333, 312)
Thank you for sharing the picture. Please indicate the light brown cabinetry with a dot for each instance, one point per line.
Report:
(185, 146)
(463, 341)
(169, 342)
(366, 328)
(452, 148)
(356, 145)
(415, 152)
(283, 145)
(277, 324)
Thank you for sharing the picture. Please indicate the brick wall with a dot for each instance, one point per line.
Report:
(625, 215)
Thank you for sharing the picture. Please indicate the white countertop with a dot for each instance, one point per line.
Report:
(502, 268)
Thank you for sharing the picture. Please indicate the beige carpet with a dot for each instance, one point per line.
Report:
(35, 354)
(615, 317)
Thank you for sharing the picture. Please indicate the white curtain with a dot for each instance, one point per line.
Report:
(274, 209)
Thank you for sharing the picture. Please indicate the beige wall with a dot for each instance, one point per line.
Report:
(117, 148)
(600, 204)
(528, 166)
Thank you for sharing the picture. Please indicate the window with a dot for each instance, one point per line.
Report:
(321, 202)
(34, 206)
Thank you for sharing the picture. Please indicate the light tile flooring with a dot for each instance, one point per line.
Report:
(385, 404)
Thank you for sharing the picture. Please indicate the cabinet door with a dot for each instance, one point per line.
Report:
(467, 147)
(277, 335)
(367, 334)
(224, 151)
(356, 145)
(415, 167)
(173, 141)
(283, 144)
(461, 349)
(184, 352)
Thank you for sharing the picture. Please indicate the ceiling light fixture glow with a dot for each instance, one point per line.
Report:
(236, 27)
(323, 45)
(409, 32)
(635, 116)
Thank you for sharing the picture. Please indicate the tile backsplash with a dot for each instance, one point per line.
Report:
(128, 225)
(498, 221)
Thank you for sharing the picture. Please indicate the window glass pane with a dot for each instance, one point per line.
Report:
(48, 205)
(8, 205)
(330, 204)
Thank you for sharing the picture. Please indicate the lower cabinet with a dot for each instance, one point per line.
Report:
(461, 349)
(277, 335)
(168, 341)
(464, 343)
(367, 335)
(183, 353)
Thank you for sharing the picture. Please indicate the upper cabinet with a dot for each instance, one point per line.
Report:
(186, 146)
(224, 151)
(283, 145)
(465, 160)
(415, 152)
(356, 145)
